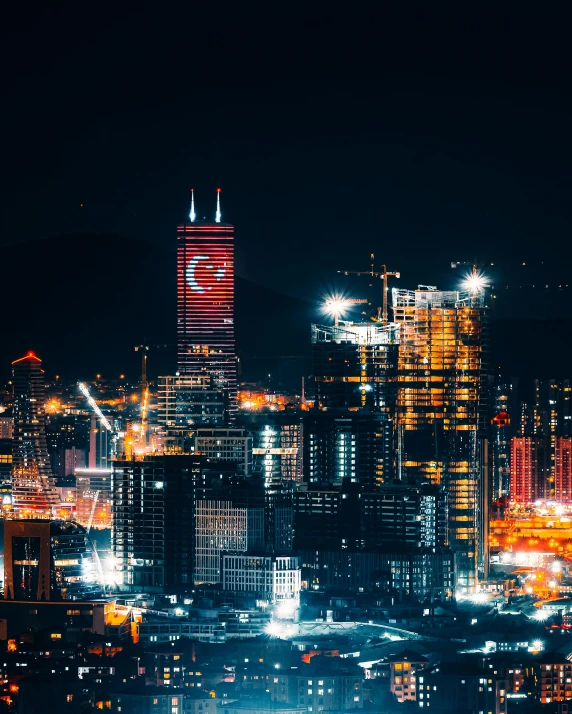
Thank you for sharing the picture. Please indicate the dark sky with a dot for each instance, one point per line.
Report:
(422, 132)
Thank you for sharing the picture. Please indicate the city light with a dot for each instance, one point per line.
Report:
(475, 282)
(275, 629)
(336, 306)
(541, 616)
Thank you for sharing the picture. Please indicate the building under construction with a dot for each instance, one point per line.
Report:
(441, 409)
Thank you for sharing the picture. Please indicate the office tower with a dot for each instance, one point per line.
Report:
(343, 446)
(6, 426)
(186, 402)
(48, 560)
(529, 469)
(205, 302)
(221, 527)
(400, 573)
(411, 516)
(153, 522)
(32, 475)
(553, 408)
(273, 579)
(441, 406)
(226, 445)
(563, 469)
(93, 498)
(276, 446)
(277, 466)
(402, 514)
(355, 367)
(68, 441)
(320, 516)
(504, 416)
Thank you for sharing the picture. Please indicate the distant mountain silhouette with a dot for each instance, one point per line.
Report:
(83, 301)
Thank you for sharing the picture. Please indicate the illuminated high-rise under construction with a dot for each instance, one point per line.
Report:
(32, 479)
(205, 301)
(441, 409)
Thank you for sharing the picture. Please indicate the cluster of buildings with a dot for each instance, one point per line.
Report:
(189, 515)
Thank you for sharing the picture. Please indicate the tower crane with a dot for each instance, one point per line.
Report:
(92, 512)
(383, 274)
(144, 349)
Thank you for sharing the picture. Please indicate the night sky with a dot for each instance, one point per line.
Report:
(424, 132)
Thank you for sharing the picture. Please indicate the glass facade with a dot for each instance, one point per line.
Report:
(441, 406)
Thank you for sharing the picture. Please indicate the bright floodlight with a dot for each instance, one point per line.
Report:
(538, 645)
(336, 306)
(541, 615)
(274, 629)
(475, 282)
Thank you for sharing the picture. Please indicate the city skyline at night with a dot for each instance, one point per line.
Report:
(285, 360)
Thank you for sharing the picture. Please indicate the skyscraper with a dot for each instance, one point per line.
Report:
(153, 522)
(441, 407)
(529, 469)
(205, 301)
(32, 475)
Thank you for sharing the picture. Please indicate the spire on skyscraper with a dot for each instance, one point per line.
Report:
(192, 214)
(218, 214)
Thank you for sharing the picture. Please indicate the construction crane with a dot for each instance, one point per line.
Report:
(92, 512)
(144, 390)
(383, 274)
(144, 348)
(102, 419)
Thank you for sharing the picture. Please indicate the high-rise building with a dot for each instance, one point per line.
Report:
(276, 446)
(277, 467)
(48, 560)
(221, 527)
(503, 422)
(153, 522)
(441, 407)
(529, 469)
(345, 446)
(186, 402)
(231, 445)
(93, 497)
(563, 469)
(355, 367)
(271, 578)
(205, 301)
(32, 475)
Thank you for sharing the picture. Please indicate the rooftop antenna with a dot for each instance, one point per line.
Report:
(192, 214)
(217, 217)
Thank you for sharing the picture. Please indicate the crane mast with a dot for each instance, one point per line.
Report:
(384, 274)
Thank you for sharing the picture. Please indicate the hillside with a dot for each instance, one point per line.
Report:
(83, 301)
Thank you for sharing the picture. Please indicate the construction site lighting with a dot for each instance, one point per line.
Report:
(336, 306)
(275, 629)
(475, 282)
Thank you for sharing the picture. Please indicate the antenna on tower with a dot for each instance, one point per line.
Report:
(192, 214)
(218, 214)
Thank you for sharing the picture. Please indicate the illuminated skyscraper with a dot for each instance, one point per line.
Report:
(205, 301)
(441, 409)
(32, 475)
(529, 469)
